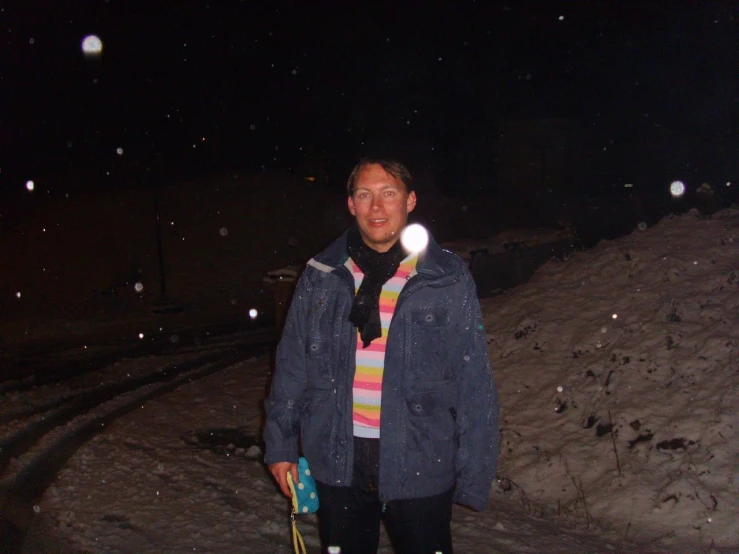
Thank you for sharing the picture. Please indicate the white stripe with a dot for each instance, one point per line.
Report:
(319, 266)
(366, 432)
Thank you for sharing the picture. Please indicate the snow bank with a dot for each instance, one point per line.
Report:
(618, 381)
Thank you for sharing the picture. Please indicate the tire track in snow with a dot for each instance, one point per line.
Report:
(67, 407)
(62, 365)
(39, 451)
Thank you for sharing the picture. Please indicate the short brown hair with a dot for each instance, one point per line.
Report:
(392, 167)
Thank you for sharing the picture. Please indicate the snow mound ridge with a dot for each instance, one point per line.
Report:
(619, 374)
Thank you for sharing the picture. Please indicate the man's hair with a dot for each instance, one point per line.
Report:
(392, 167)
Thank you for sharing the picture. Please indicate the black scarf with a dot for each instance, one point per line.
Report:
(377, 267)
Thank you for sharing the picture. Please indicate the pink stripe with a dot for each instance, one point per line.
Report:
(374, 423)
(366, 385)
(367, 393)
(377, 345)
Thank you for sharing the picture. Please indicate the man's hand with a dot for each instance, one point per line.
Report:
(279, 472)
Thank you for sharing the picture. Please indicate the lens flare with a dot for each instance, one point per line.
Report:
(677, 189)
(30, 185)
(414, 238)
(92, 45)
(253, 313)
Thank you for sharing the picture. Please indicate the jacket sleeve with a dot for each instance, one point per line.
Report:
(283, 405)
(477, 409)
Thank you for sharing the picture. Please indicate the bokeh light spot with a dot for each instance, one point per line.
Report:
(414, 238)
(677, 189)
(92, 45)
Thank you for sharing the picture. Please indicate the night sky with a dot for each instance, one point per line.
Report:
(195, 86)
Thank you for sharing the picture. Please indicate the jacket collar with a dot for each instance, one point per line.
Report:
(433, 262)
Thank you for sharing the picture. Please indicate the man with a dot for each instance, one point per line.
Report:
(383, 374)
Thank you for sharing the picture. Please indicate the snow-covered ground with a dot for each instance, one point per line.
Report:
(618, 384)
(618, 374)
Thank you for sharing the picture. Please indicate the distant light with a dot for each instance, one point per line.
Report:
(119, 151)
(310, 178)
(18, 294)
(677, 189)
(615, 316)
(30, 185)
(629, 185)
(728, 183)
(414, 238)
(92, 45)
(253, 313)
(141, 335)
(138, 287)
(203, 139)
(223, 231)
(642, 226)
(561, 18)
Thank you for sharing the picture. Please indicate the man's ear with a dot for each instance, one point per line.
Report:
(350, 203)
(410, 202)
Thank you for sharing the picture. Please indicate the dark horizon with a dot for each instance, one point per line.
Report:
(636, 92)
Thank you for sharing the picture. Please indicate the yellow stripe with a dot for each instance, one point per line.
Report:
(366, 409)
(367, 370)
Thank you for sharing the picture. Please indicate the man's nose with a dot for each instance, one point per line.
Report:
(376, 202)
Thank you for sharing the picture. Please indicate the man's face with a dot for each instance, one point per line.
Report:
(381, 206)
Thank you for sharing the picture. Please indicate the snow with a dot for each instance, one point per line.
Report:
(663, 373)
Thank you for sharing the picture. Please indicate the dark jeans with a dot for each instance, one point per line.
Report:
(349, 517)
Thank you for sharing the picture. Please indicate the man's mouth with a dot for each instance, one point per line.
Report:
(377, 222)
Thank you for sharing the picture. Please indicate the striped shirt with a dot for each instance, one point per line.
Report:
(367, 389)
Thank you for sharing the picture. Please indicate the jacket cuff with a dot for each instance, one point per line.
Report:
(473, 501)
(274, 456)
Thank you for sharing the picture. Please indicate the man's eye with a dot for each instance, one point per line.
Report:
(389, 193)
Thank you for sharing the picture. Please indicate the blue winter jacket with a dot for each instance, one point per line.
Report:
(439, 412)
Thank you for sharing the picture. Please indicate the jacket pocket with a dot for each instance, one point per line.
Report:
(318, 421)
(430, 318)
(431, 431)
(318, 361)
(429, 346)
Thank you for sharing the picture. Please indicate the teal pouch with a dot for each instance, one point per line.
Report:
(305, 495)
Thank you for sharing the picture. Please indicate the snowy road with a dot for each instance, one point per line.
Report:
(48, 415)
(119, 460)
